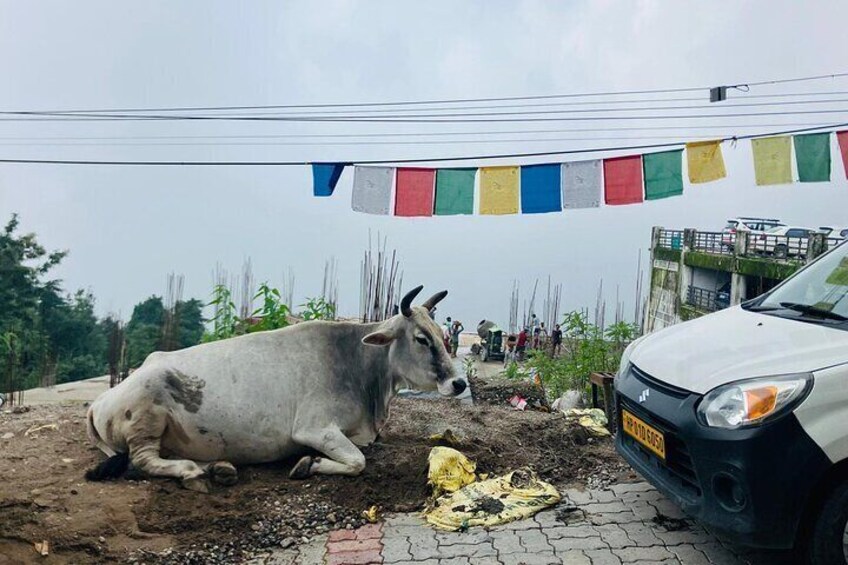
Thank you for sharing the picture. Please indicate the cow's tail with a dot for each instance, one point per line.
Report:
(114, 466)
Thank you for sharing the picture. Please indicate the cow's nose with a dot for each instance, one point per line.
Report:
(458, 386)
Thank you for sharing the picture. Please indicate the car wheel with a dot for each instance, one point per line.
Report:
(828, 541)
(780, 251)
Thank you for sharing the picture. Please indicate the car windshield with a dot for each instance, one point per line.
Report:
(818, 293)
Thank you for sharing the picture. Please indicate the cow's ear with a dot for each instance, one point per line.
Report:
(380, 338)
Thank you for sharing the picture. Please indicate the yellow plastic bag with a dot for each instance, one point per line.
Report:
(514, 496)
(593, 419)
(450, 470)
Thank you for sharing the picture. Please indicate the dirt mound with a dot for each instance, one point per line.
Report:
(44, 497)
(496, 391)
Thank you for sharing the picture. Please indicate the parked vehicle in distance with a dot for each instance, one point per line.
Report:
(744, 223)
(782, 242)
(741, 416)
(836, 232)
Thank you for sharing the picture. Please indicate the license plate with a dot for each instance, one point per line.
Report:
(648, 436)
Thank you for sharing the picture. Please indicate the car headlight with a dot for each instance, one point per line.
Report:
(752, 402)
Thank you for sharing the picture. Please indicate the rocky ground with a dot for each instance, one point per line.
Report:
(43, 496)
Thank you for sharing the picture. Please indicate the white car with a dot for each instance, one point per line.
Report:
(744, 223)
(741, 416)
(783, 241)
(835, 232)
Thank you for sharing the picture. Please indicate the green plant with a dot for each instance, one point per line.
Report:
(588, 349)
(554, 373)
(470, 368)
(511, 371)
(318, 309)
(272, 315)
(225, 322)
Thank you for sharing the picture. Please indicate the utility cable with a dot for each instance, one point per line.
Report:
(459, 100)
(415, 160)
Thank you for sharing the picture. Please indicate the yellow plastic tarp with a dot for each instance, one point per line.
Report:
(514, 496)
(449, 470)
(593, 419)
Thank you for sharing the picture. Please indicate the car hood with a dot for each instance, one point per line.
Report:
(736, 344)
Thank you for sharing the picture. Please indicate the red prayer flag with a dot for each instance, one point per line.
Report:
(842, 138)
(415, 192)
(623, 180)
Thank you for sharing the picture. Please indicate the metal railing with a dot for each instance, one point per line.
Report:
(778, 246)
(714, 242)
(833, 242)
(706, 300)
(671, 239)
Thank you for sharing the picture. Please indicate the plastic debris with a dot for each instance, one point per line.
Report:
(449, 470)
(518, 402)
(373, 515)
(514, 496)
(593, 419)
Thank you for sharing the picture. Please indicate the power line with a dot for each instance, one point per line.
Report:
(411, 134)
(415, 160)
(359, 113)
(418, 119)
(455, 100)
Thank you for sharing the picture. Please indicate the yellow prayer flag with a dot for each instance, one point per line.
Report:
(499, 190)
(705, 161)
(772, 160)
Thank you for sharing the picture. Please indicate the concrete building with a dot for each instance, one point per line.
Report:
(697, 272)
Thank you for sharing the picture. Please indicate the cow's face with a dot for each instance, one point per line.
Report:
(417, 352)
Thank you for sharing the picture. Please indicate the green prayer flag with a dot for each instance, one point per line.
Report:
(454, 191)
(663, 174)
(812, 154)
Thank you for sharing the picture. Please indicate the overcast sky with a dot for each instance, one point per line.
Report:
(128, 227)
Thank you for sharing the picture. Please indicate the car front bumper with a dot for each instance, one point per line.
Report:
(749, 485)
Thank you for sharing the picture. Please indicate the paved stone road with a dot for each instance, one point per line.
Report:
(627, 523)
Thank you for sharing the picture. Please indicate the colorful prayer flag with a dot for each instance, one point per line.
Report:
(414, 192)
(325, 176)
(623, 180)
(663, 174)
(540, 188)
(372, 189)
(812, 156)
(498, 190)
(772, 160)
(842, 138)
(581, 184)
(705, 162)
(455, 191)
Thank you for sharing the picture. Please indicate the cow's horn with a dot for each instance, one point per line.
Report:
(406, 303)
(435, 299)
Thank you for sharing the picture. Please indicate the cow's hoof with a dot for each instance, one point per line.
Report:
(223, 473)
(197, 484)
(303, 469)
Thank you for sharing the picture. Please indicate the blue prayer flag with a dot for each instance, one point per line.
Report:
(324, 177)
(540, 188)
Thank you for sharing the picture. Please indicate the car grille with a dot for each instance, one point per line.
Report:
(677, 468)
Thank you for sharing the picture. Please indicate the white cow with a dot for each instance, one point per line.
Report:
(194, 413)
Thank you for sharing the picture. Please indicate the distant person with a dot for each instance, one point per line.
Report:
(455, 331)
(446, 333)
(556, 340)
(521, 344)
(541, 336)
(510, 348)
(433, 313)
